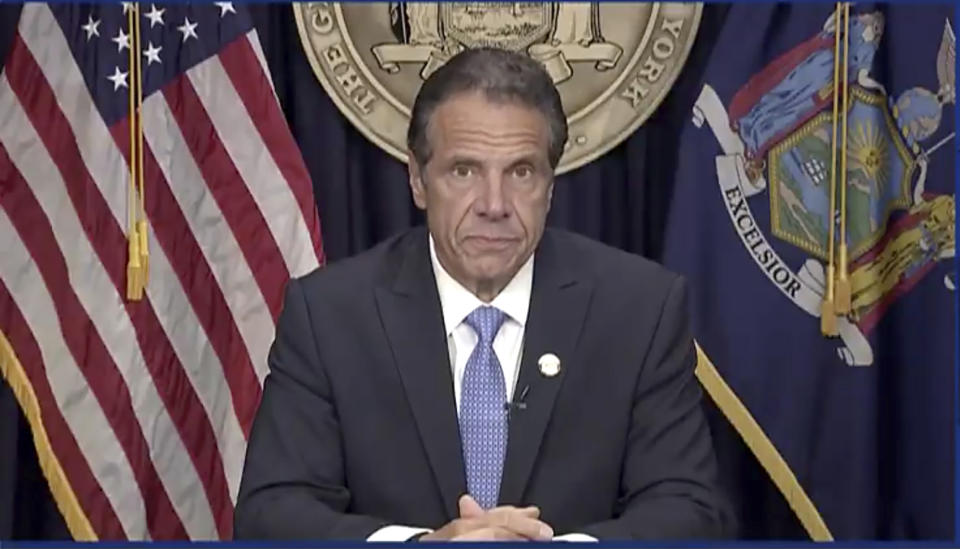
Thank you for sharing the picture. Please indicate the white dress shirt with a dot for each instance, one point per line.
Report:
(456, 302)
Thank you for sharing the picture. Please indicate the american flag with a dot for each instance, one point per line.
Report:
(140, 410)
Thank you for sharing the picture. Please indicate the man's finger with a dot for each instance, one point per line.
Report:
(490, 533)
(469, 508)
(531, 512)
(527, 527)
(503, 534)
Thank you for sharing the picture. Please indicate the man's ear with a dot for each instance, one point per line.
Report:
(417, 188)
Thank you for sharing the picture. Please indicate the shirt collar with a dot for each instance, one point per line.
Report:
(457, 302)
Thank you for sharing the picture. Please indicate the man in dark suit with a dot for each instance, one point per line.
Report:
(483, 378)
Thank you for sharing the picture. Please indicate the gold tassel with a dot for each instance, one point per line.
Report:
(828, 318)
(842, 293)
(842, 303)
(134, 274)
(144, 252)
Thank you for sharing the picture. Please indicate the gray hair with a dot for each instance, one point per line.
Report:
(500, 75)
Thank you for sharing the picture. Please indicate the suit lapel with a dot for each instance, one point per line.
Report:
(412, 318)
(558, 305)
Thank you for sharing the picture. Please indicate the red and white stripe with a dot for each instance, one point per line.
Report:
(148, 404)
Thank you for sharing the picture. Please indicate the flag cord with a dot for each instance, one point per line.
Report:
(842, 287)
(828, 318)
(142, 223)
(134, 267)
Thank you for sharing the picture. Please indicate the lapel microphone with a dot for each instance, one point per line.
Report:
(519, 403)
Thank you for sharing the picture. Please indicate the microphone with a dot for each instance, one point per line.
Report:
(519, 403)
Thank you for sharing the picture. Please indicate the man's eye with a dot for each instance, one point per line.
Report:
(523, 172)
(462, 170)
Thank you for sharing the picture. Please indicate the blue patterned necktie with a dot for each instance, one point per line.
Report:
(483, 416)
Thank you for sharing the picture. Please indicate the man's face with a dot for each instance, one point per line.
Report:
(486, 188)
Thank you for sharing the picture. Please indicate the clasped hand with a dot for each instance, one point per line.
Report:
(507, 523)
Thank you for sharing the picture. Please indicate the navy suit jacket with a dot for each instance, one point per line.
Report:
(358, 429)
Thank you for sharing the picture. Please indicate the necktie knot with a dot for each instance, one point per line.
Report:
(486, 321)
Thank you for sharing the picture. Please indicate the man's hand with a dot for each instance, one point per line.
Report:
(506, 523)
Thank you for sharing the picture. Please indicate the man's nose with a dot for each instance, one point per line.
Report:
(493, 201)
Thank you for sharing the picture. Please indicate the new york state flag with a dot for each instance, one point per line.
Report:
(814, 218)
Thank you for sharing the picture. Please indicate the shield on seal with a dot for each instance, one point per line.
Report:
(879, 174)
(507, 25)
